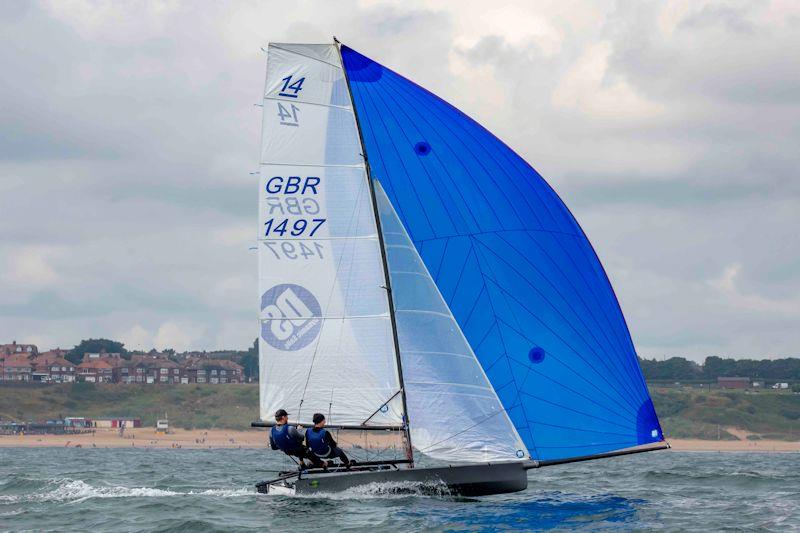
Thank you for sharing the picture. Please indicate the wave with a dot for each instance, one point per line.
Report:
(76, 491)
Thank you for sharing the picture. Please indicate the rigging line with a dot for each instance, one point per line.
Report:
(603, 327)
(505, 346)
(626, 386)
(314, 165)
(454, 186)
(453, 152)
(386, 403)
(334, 106)
(410, 182)
(581, 377)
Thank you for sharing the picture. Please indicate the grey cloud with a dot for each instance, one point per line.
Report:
(126, 148)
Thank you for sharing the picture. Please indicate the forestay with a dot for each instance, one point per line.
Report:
(513, 266)
(326, 342)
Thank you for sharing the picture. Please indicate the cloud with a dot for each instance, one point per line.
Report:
(129, 135)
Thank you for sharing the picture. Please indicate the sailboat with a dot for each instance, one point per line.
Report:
(418, 278)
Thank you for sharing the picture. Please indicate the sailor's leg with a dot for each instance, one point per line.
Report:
(308, 454)
(339, 454)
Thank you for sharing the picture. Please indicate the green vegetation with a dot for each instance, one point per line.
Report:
(702, 414)
(188, 406)
(684, 413)
(680, 369)
(95, 346)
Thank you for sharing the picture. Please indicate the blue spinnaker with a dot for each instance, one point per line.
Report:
(514, 267)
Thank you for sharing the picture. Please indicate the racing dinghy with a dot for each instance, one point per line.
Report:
(421, 284)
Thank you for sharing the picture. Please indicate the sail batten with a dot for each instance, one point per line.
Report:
(513, 267)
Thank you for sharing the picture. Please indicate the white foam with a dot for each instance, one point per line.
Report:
(76, 491)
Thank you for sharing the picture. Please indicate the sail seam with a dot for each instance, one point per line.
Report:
(306, 56)
(334, 106)
(320, 165)
(556, 310)
(622, 370)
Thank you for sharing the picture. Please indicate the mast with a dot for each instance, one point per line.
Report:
(387, 281)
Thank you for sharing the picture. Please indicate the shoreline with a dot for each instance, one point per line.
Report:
(257, 438)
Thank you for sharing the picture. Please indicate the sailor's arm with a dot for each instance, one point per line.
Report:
(272, 443)
(329, 440)
(297, 435)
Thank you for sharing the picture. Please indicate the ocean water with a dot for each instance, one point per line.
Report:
(212, 490)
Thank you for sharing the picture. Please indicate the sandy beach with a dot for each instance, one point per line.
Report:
(254, 438)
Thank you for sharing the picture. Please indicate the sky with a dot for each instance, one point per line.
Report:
(129, 133)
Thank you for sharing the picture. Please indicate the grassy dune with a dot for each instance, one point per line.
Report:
(684, 413)
(188, 406)
(697, 414)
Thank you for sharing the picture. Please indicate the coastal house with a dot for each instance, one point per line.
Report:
(733, 382)
(14, 348)
(95, 371)
(156, 368)
(48, 367)
(16, 367)
(214, 371)
(130, 372)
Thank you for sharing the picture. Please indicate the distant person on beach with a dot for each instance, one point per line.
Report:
(321, 443)
(289, 440)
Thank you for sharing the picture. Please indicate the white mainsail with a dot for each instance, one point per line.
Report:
(326, 342)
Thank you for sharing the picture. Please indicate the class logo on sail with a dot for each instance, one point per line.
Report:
(292, 317)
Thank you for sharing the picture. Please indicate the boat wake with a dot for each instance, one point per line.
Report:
(76, 491)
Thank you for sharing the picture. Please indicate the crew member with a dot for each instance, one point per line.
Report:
(321, 444)
(289, 440)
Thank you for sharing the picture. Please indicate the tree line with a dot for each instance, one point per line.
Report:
(681, 369)
(674, 368)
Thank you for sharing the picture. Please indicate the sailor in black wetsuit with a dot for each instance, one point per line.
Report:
(290, 441)
(321, 444)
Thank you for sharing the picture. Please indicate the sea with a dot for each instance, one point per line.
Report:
(87, 489)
